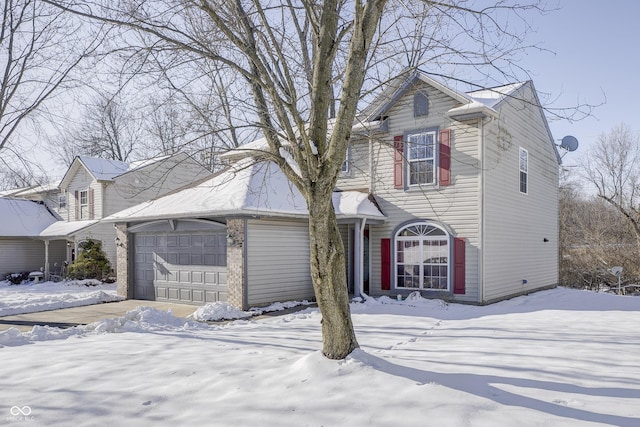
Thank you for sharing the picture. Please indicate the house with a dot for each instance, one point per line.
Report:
(21, 249)
(451, 194)
(93, 188)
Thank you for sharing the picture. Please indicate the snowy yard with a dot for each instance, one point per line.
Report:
(555, 358)
(42, 296)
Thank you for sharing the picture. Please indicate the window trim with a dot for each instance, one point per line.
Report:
(83, 205)
(345, 169)
(523, 172)
(62, 201)
(418, 99)
(433, 158)
(445, 236)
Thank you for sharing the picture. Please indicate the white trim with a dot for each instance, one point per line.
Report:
(524, 170)
(447, 235)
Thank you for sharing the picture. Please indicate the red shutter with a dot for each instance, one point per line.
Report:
(77, 196)
(398, 161)
(91, 208)
(385, 265)
(458, 265)
(445, 157)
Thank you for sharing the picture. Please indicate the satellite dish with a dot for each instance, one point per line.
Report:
(569, 143)
(616, 271)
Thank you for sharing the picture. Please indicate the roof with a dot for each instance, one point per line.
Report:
(23, 218)
(246, 188)
(62, 229)
(103, 169)
(108, 170)
(491, 97)
(31, 190)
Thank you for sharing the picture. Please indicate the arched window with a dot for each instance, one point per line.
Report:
(422, 257)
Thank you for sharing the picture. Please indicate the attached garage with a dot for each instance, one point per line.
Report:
(180, 261)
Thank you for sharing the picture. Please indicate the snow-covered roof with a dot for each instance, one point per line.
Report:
(246, 188)
(23, 218)
(103, 169)
(491, 97)
(63, 229)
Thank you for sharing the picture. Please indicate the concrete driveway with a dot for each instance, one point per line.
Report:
(68, 317)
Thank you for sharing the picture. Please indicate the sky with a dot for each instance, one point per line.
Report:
(594, 60)
(590, 57)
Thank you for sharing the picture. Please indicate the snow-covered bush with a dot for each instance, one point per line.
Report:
(17, 278)
(92, 262)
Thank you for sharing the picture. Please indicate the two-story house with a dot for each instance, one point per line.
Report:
(451, 194)
(93, 188)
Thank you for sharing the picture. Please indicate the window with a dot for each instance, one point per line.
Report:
(345, 164)
(62, 201)
(421, 158)
(524, 168)
(422, 257)
(84, 204)
(420, 105)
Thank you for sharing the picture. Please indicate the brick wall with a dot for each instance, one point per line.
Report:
(122, 261)
(235, 263)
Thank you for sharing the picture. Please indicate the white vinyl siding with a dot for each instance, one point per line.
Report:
(516, 226)
(277, 263)
(26, 255)
(150, 182)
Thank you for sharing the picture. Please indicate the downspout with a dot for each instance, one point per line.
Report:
(481, 228)
(46, 260)
(357, 254)
(363, 223)
(371, 181)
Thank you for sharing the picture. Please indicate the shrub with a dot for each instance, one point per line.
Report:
(92, 262)
(17, 278)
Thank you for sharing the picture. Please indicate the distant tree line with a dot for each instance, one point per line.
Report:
(600, 215)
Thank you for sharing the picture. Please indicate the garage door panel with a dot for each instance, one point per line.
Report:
(181, 267)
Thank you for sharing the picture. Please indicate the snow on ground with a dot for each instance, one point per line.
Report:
(31, 297)
(555, 358)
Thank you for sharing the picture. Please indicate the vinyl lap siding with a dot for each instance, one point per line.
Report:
(277, 261)
(456, 205)
(516, 224)
(20, 255)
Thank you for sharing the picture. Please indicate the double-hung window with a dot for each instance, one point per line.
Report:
(524, 170)
(421, 151)
(84, 204)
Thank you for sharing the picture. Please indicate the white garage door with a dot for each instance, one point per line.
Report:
(186, 267)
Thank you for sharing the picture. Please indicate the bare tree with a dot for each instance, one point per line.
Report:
(612, 167)
(40, 48)
(298, 70)
(107, 129)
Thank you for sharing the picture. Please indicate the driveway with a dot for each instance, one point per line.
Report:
(68, 317)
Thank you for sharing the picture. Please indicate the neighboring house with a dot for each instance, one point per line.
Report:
(94, 188)
(46, 193)
(21, 249)
(467, 183)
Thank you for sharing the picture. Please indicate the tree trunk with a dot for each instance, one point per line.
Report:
(328, 273)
